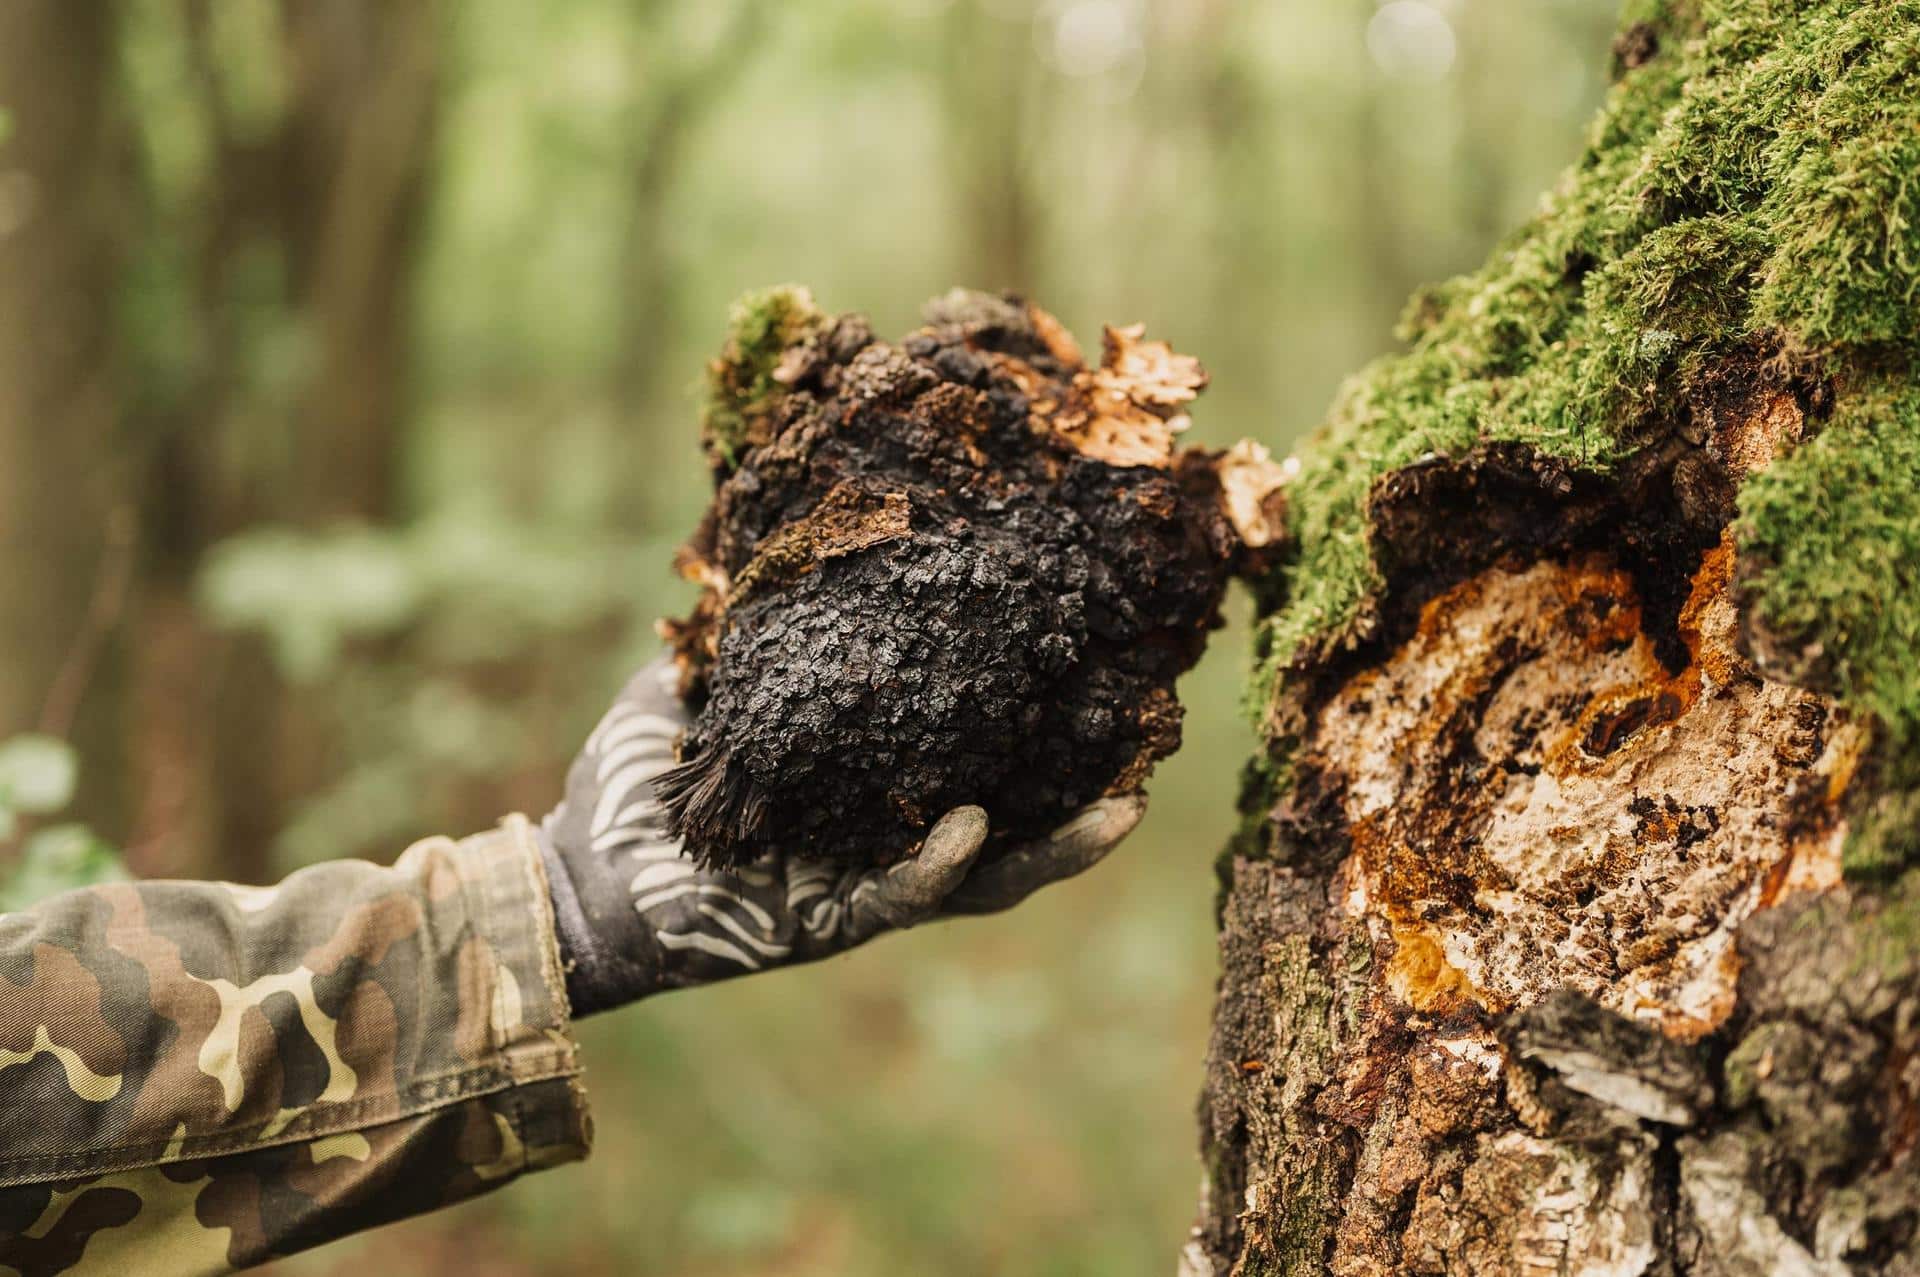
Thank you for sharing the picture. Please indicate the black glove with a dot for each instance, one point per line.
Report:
(636, 917)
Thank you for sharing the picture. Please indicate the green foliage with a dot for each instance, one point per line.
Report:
(488, 585)
(37, 774)
(1759, 175)
(56, 859)
(309, 594)
(37, 778)
(742, 384)
(444, 602)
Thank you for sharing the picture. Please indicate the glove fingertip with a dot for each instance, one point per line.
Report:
(912, 890)
(954, 840)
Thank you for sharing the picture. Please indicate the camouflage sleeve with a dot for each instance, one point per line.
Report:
(196, 1077)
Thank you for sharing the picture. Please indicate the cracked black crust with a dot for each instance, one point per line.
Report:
(1016, 647)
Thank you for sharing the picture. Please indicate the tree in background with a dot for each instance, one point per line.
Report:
(64, 486)
(282, 185)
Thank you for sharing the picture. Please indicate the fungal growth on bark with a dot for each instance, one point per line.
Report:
(1574, 922)
(966, 567)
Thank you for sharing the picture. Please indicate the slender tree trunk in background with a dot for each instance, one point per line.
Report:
(194, 494)
(988, 83)
(1570, 928)
(353, 158)
(355, 153)
(677, 94)
(333, 193)
(61, 477)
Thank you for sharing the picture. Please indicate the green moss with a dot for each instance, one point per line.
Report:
(742, 387)
(1510, 352)
(1837, 527)
(1884, 835)
(1300, 1228)
(1847, 271)
(1251, 838)
(1888, 939)
(1760, 174)
(1300, 1215)
(1838, 523)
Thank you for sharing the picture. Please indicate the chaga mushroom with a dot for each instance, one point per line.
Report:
(963, 568)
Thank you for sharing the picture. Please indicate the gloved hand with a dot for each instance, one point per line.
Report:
(635, 917)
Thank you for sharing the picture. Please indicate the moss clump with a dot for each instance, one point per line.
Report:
(744, 382)
(1837, 526)
(1753, 182)
(1886, 942)
(1835, 532)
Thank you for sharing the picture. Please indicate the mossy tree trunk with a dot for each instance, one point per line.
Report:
(1570, 928)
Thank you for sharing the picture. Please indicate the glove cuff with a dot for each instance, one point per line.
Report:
(598, 976)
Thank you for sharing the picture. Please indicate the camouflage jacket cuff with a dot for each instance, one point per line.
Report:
(231, 1073)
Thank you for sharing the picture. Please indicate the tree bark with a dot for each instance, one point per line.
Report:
(332, 191)
(62, 491)
(1569, 929)
(355, 151)
(677, 92)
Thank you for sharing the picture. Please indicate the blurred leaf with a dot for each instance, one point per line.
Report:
(55, 860)
(37, 773)
(373, 805)
(309, 594)
(740, 1219)
(6, 125)
(973, 1019)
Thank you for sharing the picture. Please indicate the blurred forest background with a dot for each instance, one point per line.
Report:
(346, 362)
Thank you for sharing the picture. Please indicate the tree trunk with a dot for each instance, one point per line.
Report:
(987, 95)
(331, 190)
(62, 501)
(676, 92)
(1569, 929)
(355, 151)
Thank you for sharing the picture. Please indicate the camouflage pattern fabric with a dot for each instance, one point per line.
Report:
(196, 1077)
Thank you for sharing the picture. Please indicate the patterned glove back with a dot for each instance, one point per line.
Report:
(636, 917)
